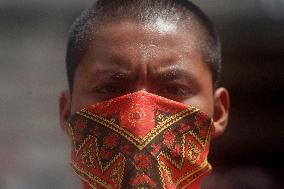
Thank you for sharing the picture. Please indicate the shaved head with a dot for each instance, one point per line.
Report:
(158, 15)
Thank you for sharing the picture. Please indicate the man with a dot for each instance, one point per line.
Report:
(142, 78)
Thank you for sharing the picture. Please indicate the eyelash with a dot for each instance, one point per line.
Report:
(175, 90)
(106, 89)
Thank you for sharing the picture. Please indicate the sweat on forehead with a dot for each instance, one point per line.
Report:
(164, 14)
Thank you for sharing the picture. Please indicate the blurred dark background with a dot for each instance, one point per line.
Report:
(34, 152)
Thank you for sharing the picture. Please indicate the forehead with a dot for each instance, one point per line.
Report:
(131, 42)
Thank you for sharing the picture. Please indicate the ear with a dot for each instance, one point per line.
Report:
(64, 108)
(221, 111)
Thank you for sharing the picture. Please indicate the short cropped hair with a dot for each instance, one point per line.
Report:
(143, 12)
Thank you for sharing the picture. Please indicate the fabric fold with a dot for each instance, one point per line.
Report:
(140, 140)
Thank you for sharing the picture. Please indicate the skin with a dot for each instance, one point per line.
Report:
(126, 57)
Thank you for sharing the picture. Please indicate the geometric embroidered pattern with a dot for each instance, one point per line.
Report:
(171, 152)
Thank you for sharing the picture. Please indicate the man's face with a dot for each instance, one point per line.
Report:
(159, 58)
(126, 57)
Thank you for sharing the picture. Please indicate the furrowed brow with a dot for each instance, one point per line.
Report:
(113, 74)
(172, 74)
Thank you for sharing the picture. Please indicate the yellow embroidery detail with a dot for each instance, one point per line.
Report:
(203, 143)
(140, 143)
(207, 168)
(117, 173)
(162, 167)
(203, 165)
(87, 157)
(194, 153)
(82, 174)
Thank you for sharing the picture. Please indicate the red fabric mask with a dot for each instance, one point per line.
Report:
(140, 140)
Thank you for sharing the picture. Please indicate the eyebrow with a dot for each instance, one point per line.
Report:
(172, 74)
(114, 74)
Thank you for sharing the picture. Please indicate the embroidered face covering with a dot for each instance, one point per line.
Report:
(140, 140)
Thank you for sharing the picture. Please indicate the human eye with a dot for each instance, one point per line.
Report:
(174, 91)
(105, 89)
